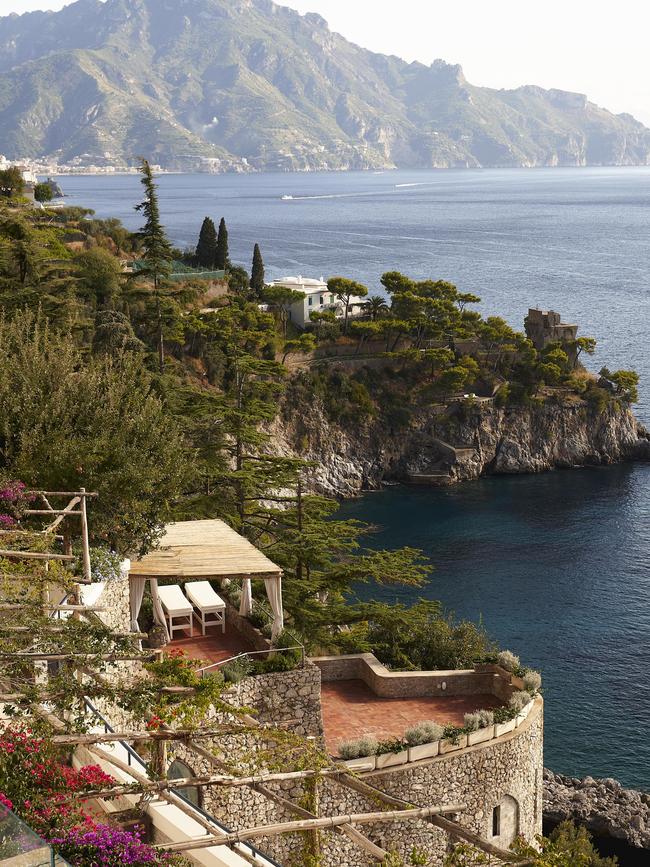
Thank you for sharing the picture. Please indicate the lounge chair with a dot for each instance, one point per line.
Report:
(176, 606)
(207, 602)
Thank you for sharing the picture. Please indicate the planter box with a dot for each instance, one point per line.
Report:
(523, 715)
(504, 728)
(449, 747)
(424, 751)
(480, 736)
(388, 760)
(367, 763)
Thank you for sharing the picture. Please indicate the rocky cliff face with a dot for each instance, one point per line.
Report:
(443, 446)
(603, 806)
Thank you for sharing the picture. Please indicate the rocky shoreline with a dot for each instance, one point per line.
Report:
(604, 807)
(447, 445)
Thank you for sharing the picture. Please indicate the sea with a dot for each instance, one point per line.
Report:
(555, 566)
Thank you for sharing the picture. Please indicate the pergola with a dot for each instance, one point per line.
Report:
(191, 550)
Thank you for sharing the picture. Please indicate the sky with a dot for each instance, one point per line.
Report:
(597, 47)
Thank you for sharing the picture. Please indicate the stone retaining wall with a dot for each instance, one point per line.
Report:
(417, 684)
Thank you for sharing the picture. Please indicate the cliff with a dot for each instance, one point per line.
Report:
(445, 445)
(602, 806)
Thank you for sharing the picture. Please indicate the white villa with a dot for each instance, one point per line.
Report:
(317, 299)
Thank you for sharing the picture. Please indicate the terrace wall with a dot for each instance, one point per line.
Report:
(416, 684)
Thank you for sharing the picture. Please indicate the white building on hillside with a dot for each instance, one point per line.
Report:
(317, 299)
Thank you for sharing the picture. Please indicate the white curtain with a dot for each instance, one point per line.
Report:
(246, 603)
(136, 592)
(158, 613)
(274, 592)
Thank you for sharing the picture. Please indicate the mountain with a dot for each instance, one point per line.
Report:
(249, 84)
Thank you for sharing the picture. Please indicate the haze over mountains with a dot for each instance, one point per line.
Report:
(250, 84)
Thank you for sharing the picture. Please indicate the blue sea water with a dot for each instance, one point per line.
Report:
(556, 565)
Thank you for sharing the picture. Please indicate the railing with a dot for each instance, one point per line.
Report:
(134, 758)
(201, 671)
(21, 845)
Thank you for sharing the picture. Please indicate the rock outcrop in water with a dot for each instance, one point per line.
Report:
(445, 445)
(603, 806)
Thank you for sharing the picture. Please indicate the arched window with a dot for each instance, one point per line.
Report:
(179, 771)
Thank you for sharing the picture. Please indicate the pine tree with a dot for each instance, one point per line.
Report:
(157, 251)
(206, 249)
(222, 259)
(257, 271)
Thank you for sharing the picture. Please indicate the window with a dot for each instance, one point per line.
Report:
(178, 771)
(322, 300)
(496, 822)
(311, 301)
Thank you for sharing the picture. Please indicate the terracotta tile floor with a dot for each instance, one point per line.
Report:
(351, 709)
(214, 646)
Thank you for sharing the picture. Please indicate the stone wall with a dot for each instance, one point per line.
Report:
(115, 599)
(416, 684)
(292, 698)
(504, 773)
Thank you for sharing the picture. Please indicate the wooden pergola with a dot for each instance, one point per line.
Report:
(208, 549)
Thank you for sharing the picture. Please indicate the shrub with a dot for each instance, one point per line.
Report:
(472, 721)
(519, 700)
(486, 718)
(452, 733)
(237, 669)
(508, 660)
(391, 745)
(532, 681)
(357, 748)
(425, 732)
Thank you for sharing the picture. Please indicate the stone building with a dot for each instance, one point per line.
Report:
(546, 326)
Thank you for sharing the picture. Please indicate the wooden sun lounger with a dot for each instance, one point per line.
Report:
(176, 606)
(206, 603)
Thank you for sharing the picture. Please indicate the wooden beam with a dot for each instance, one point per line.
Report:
(350, 832)
(15, 606)
(61, 512)
(451, 828)
(33, 555)
(325, 823)
(64, 493)
(81, 739)
(57, 629)
(28, 656)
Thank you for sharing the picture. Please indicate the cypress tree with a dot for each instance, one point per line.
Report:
(222, 259)
(157, 251)
(257, 271)
(206, 249)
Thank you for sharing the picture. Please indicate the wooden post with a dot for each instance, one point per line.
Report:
(84, 539)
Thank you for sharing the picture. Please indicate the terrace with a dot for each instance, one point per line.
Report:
(360, 696)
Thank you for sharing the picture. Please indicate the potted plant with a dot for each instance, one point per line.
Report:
(157, 636)
(423, 740)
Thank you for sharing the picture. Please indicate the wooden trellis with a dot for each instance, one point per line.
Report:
(76, 508)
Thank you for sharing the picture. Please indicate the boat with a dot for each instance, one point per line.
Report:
(286, 198)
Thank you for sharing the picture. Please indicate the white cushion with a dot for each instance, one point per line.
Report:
(203, 596)
(174, 601)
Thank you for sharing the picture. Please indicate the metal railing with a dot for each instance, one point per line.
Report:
(134, 758)
(246, 654)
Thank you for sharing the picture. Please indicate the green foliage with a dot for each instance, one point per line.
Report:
(257, 272)
(156, 249)
(420, 637)
(568, 845)
(43, 193)
(206, 248)
(99, 275)
(67, 422)
(624, 384)
(12, 184)
(222, 256)
(345, 289)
